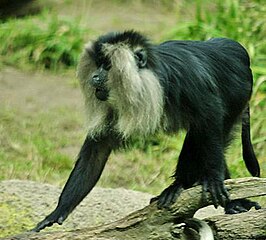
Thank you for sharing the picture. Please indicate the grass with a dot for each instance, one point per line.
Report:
(44, 41)
(238, 20)
(31, 143)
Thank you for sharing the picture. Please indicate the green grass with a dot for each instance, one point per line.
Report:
(242, 21)
(30, 144)
(43, 41)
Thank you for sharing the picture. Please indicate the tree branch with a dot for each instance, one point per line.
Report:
(153, 223)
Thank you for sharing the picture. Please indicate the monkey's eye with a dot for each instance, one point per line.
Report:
(141, 58)
(106, 66)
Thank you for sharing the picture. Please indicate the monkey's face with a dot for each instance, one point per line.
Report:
(111, 67)
(121, 90)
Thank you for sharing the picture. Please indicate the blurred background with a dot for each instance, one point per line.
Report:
(42, 123)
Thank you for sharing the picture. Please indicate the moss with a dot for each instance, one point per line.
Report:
(15, 215)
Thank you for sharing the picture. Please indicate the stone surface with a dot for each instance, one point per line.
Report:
(24, 203)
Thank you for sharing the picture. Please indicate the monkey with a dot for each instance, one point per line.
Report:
(194, 228)
(133, 87)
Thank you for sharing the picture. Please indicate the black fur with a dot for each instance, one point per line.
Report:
(207, 86)
(88, 168)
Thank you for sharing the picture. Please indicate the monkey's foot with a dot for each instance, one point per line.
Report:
(168, 196)
(218, 192)
(54, 217)
(240, 205)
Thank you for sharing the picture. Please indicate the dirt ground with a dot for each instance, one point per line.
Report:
(152, 17)
(35, 93)
(32, 91)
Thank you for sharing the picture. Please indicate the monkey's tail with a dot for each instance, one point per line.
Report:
(197, 229)
(247, 148)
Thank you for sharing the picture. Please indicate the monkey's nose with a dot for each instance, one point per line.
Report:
(95, 78)
(96, 81)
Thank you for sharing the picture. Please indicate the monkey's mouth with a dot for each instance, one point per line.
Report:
(101, 93)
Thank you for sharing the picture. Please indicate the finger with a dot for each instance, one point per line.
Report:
(257, 206)
(175, 195)
(213, 192)
(219, 195)
(41, 225)
(223, 195)
(226, 193)
(204, 191)
(154, 199)
(230, 211)
(240, 209)
(169, 196)
(166, 199)
(249, 204)
(61, 220)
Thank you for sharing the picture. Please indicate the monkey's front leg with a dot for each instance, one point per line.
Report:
(88, 168)
(186, 173)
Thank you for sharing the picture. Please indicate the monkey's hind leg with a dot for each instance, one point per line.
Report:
(238, 205)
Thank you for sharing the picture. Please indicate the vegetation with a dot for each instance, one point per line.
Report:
(30, 143)
(239, 20)
(42, 41)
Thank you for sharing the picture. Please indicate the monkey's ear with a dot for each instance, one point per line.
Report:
(141, 58)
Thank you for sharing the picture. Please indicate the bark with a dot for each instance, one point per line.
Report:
(249, 225)
(152, 223)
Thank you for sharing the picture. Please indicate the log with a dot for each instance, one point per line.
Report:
(249, 225)
(153, 223)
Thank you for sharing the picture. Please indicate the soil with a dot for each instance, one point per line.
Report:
(152, 17)
(32, 91)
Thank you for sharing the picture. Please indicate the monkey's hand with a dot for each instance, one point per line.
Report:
(55, 217)
(168, 196)
(217, 189)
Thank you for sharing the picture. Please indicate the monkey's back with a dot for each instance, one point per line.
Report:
(212, 57)
(202, 75)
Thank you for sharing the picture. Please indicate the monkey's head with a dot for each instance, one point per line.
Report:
(120, 87)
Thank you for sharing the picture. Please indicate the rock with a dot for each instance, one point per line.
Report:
(24, 203)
